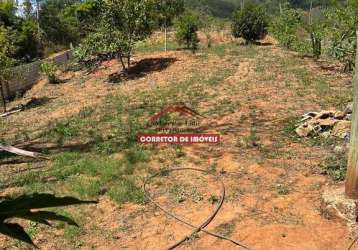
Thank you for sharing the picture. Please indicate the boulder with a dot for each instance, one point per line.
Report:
(341, 129)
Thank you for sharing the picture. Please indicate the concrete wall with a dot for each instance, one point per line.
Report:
(27, 75)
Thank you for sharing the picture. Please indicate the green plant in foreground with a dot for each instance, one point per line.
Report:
(22, 206)
(48, 69)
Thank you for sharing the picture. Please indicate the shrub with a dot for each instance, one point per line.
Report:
(186, 27)
(341, 32)
(287, 29)
(48, 69)
(250, 23)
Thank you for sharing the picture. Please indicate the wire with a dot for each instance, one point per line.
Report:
(200, 228)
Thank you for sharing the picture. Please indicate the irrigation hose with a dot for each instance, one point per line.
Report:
(200, 228)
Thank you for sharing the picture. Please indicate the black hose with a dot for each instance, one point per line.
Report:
(200, 228)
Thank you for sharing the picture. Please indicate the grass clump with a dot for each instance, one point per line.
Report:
(126, 191)
(335, 166)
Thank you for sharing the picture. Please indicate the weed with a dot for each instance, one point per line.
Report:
(225, 229)
(183, 192)
(282, 189)
(213, 199)
(289, 129)
(86, 112)
(126, 191)
(335, 166)
(86, 187)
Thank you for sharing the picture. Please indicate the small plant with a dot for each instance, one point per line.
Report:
(186, 27)
(250, 23)
(48, 69)
(335, 166)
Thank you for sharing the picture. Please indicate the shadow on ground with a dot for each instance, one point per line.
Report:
(142, 68)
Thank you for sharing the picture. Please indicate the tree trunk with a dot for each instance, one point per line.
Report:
(165, 37)
(3, 97)
(352, 171)
(120, 56)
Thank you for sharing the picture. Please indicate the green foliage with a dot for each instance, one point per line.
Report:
(126, 191)
(48, 69)
(7, 49)
(315, 26)
(22, 207)
(167, 10)
(122, 24)
(285, 28)
(250, 23)
(335, 166)
(341, 32)
(186, 27)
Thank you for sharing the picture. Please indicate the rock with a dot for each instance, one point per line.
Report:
(325, 134)
(348, 117)
(339, 115)
(325, 114)
(341, 129)
(305, 130)
(336, 206)
(308, 116)
(326, 122)
(349, 108)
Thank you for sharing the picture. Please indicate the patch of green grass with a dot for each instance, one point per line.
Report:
(63, 130)
(72, 234)
(136, 154)
(86, 187)
(126, 191)
(282, 189)
(149, 46)
(335, 166)
(289, 129)
(183, 192)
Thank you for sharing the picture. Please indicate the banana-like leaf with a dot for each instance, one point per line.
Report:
(22, 204)
(15, 231)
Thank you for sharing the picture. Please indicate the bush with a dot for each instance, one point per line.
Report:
(250, 23)
(341, 33)
(186, 27)
(287, 29)
(48, 69)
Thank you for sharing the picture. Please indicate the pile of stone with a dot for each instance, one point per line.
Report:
(326, 123)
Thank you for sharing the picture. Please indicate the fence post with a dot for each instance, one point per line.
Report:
(352, 171)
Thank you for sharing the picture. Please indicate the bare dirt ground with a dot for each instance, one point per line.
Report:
(273, 183)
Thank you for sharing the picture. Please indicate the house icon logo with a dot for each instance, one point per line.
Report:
(179, 108)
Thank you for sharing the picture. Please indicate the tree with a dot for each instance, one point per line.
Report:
(352, 172)
(28, 9)
(284, 27)
(167, 11)
(7, 50)
(341, 32)
(123, 23)
(186, 27)
(250, 23)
